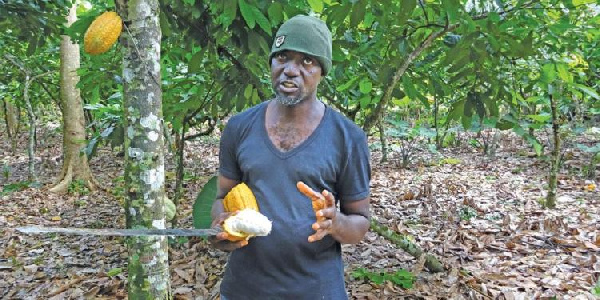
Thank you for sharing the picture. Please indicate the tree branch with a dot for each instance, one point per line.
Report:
(372, 119)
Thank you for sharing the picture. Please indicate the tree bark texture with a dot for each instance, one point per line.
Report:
(383, 140)
(554, 156)
(75, 164)
(144, 149)
(180, 167)
(32, 128)
(11, 117)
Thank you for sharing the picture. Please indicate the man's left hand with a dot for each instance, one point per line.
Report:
(326, 218)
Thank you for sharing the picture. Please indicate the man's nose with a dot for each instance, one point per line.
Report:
(291, 69)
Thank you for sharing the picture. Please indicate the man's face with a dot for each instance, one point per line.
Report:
(294, 76)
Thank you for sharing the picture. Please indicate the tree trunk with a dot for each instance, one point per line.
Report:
(32, 128)
(438, 142)
(144, 149)
(30, 114)
(180, 142)
(377, 114)
(11, 113)
(554, 157)
(75, 164)
(382, 138)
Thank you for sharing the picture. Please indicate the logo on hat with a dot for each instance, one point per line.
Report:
(279, 41)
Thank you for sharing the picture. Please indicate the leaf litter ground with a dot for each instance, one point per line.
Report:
(481, 217)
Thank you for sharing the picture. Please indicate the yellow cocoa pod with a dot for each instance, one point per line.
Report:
(245, 224)
(240, 197)
(102, 33)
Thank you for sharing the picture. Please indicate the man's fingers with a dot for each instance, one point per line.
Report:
(325, 225)
(329, 199)
(307, 191)
(227, 245)
(319, 235)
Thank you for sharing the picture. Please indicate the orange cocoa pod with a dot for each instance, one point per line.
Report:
(240, 197)
(102, 33)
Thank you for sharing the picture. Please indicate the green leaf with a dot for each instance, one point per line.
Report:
(316, 5)
(406, 9)
(466, 122)
(253, 15)
(451, 7)
(456, 111)
(459, 64)
(262, 21)
(409, 88)
(255, 98)
(548, 73)
(247, 13)
(229, 12)
(591, 92)
(583, 2)
(563, 73)
(365, 101)
(165, 29)
(195, 65)
(504, 125)
(203, 204)
(275, 13)
(248, 91)
(358, 13)
(114, 272)
(492, 104)
(365, 86)
(541, 118)
(347, 85)
(338, 14)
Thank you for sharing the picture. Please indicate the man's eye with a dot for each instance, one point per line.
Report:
(308, 61)
(280, 56)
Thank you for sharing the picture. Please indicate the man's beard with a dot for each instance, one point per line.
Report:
(288, 100)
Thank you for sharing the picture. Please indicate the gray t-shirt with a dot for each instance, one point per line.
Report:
(284, 265)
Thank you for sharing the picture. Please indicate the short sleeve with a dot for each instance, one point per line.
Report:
(228, 162)
(355, 175)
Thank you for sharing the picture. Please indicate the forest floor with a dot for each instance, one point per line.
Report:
(480, 216)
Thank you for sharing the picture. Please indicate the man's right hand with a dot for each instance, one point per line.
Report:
(221, 240)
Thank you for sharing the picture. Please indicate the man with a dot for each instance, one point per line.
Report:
(273, 146)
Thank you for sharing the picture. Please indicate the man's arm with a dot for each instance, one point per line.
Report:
(224, 185)
(347, 226)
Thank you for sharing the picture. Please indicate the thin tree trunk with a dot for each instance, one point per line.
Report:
(532, 111)
(377, 113)
(31, 176)
(180, 141)
(554, 157)
(438, 142)
(31, 115)
(75, 164)
(12, 123)
(383, 139)
(32, 127)
(144, 149)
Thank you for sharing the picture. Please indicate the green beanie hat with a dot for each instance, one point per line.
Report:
(307, 35)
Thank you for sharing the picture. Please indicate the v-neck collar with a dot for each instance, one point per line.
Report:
(303, 144)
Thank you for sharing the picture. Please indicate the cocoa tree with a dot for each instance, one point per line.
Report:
(75, 162)
(144, 149)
